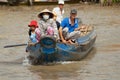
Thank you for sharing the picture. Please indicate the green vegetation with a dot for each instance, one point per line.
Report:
(116, 1)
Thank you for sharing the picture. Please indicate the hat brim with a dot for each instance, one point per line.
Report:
(73, 13)
(61, 3)
(32, 25)
(40, 15)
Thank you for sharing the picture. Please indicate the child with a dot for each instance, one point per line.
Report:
(32, 35)
(32, 47)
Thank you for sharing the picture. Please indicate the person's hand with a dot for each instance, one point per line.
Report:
(31, 44)
(64, 41)
(76, 29)
(83, 26)
(70, 41)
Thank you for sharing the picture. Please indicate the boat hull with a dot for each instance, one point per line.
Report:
(61, 51)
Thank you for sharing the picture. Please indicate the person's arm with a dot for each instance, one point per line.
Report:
(41, 28)
(77, 25)
(53, 10)
(61, 35)
(55, 29)
(80, 28)
(38, 34)
(30, 43)
(63, 24)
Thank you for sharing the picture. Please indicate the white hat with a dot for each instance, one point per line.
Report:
(61, 2)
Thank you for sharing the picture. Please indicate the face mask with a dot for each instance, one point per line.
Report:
(45, 17)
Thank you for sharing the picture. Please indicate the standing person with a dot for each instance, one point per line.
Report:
(59, 11)
(47, 25)
(69, 28)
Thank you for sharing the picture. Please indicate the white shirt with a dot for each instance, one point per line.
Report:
(59, 14)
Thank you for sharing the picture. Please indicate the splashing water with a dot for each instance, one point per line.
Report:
(25, 61)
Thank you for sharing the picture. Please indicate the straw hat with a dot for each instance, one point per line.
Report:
(45, 11)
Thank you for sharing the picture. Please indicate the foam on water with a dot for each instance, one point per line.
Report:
(25, 61)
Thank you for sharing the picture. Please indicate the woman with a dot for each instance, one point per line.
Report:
(47, 26)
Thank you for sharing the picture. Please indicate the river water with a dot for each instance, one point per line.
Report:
(102, 62)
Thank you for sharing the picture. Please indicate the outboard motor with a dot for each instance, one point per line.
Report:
(48, 48)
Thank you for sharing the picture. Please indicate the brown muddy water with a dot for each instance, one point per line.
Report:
(102, 63)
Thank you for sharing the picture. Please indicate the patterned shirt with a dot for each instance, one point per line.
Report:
(43, 25)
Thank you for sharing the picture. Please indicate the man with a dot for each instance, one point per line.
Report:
(59, 11)
(69, 28)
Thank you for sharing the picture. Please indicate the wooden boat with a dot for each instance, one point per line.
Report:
(50, 50)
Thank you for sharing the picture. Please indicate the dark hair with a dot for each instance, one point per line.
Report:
(29, 32)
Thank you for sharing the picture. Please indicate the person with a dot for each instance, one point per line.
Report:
(54, 18)
(32, 35)
(59, 11)
(69, 28)
(47, 25)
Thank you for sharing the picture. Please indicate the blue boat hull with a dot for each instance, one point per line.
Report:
(62, 52)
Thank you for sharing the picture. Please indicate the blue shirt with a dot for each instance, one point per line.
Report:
(67, 23)
(33, 37)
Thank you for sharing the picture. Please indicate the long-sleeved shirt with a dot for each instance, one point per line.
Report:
(43, 25)
(59, 14)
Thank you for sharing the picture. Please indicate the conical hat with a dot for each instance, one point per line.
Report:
(45, 11)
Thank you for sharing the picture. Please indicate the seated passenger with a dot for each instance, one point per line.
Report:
(47, 26)
(69, 28)
(32, 36)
